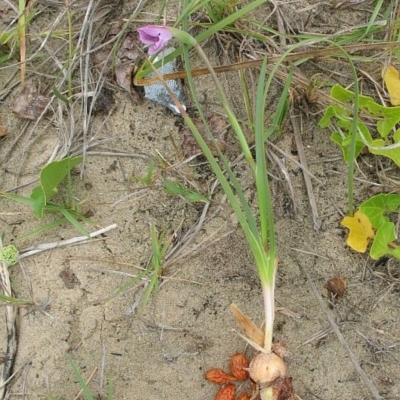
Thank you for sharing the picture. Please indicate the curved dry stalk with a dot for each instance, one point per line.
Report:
(29, 251)
(11, 328)
(364, 377)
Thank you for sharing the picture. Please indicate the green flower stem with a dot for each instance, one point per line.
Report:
(190, 8)
(267, 265)
(262, 243)
(186, 38)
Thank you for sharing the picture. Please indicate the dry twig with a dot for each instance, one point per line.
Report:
(364, 377)
(11, 328)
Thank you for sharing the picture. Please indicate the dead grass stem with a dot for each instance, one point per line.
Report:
(364, 377)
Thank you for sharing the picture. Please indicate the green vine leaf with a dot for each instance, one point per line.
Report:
(50, 177)
(377, 209)
(387, 118)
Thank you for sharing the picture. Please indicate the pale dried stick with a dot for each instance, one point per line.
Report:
(11, 328)
(364, 377)
(29, 251)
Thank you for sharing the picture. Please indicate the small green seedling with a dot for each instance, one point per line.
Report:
(14, 302)
(177, 189)
(159, 247)
(217, 10)
(384, 118)
(153, 272)
(85, 388)
(51, 176)
(372, 224)
(148, 178)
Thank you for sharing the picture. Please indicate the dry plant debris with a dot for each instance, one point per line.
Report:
(282, 389)
(280, 349)
(124, 63)
(336, 288)
(30, 104)
(68, 277)
(105, 101)
(3, 130)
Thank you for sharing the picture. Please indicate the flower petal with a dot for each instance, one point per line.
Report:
(146, 39)
(155, 36)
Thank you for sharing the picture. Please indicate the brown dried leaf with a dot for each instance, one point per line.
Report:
(102, 13)
(250, 329)
(129, 48)
(283, 389)
(123, 76)
(280, 349)
(102, 60)
(30, 104)
(336, 287)
(113, 31)
(105, 101)
(3, 130)
(69, 278)
(124, 62)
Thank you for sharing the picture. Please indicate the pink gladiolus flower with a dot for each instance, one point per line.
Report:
(155, 36)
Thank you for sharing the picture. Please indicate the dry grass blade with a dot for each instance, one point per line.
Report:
(364, 377)
(29, 251)
(272, 58)
(250, 329)
(323, 333)
(11, 328)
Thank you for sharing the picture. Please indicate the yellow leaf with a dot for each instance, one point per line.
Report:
(361, 231)
(392, 81)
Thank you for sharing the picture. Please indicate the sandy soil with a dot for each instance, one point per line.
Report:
(187, 327)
